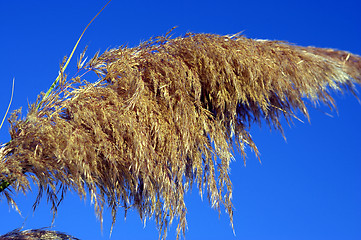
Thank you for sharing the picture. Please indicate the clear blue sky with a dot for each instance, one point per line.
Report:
(306, 188)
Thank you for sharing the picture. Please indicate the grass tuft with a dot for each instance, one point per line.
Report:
(36, 234)
(165, 116)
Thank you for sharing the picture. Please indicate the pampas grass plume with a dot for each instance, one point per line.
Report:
(165, 116)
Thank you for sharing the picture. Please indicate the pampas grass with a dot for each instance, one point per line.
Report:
(36, 234)
(165, 116)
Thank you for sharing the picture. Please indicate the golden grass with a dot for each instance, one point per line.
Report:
(164, 116)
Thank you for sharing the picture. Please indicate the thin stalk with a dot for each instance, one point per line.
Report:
(70, 57)
(11, 99)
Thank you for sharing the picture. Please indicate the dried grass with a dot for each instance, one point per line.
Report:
(164, 116)
(36, 234)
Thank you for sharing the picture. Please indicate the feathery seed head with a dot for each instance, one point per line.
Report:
(166, 115)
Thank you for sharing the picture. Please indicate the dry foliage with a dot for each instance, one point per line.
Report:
(166, 115)
(36, 234)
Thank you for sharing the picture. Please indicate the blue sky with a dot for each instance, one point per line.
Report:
(306, 188)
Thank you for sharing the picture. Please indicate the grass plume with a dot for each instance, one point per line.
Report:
(165, 116)
(36, 234)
